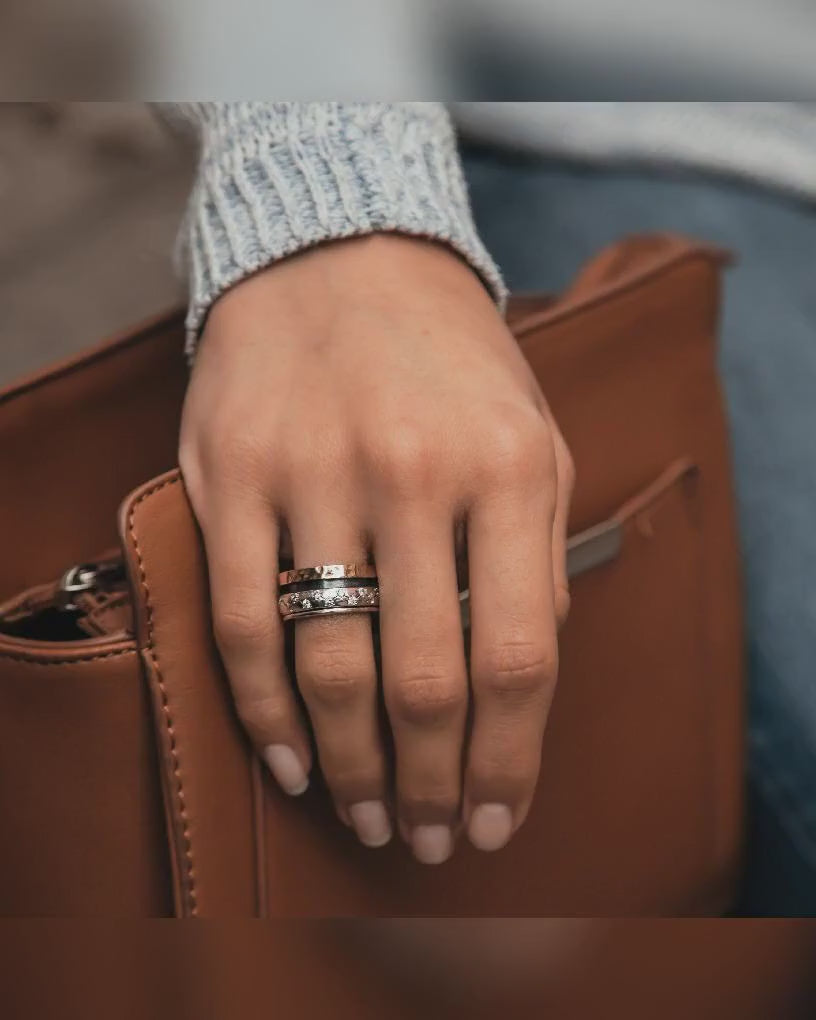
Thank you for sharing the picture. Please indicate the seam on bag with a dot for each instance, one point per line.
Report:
(109, 607)
(152, 650)
(117, 600)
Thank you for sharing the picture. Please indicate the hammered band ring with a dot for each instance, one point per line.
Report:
(328, 571)
(328, 588)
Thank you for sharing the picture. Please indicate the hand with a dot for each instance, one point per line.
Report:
(363, 400)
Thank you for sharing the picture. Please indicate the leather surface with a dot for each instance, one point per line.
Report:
(402, 970)
(82, 828)
(639, 808)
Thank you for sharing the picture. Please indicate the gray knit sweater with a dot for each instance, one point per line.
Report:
(275, 178)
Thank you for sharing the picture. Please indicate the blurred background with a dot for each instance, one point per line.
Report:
(91, 197)
(391, 49)
(409, 969)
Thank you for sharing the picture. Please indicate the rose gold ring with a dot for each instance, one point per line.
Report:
(326, 572)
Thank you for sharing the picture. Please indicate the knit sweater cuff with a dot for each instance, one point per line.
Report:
(275, 179)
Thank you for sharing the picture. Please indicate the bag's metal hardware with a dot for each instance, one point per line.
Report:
(83, 578)
(591, 548)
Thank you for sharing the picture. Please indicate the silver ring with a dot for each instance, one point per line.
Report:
(322, 601)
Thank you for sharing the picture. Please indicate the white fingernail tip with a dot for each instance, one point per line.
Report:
(371, 823)
(286, 768)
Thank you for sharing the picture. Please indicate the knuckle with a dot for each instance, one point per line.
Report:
(518, 447)
(303, 457)
(237, 454)
(328, 656)
(265, 718)
(518, 670)
(241, 624)
(406, 461)
(427, 699)
(333, 689)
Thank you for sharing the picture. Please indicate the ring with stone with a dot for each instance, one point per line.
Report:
(328, 588)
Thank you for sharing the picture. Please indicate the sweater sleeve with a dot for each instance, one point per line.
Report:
(275, 178)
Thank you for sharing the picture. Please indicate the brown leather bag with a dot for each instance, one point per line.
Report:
(126, 784)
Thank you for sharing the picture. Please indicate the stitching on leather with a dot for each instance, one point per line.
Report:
(168, 719)
(34, 661)
(117, 600)
(109, 607)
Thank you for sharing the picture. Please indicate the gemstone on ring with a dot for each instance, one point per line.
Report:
(348, 599)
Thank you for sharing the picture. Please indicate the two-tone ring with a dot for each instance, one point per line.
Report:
(328, 588)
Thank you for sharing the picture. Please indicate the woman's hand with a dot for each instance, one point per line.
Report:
(365, 400)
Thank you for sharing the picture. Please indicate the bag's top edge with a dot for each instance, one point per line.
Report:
(110, 347)
(668, 251)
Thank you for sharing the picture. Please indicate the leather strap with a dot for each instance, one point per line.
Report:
(206, 777)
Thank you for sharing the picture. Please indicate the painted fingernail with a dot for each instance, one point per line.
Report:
(285, 767)
(370, 820)
(491, 826)
(432, 844)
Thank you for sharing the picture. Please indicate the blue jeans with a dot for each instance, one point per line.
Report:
(541, 220)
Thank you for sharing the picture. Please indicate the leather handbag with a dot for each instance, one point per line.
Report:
(127, 786)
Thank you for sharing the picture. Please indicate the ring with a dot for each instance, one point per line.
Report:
(321, 601)
(328, 588)
(327, 571)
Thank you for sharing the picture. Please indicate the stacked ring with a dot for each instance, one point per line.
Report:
(328, 588)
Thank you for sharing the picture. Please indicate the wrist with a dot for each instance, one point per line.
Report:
(263, 192)
(305, 291)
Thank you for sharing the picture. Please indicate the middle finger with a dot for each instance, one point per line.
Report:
(424, 673)
(337, 676)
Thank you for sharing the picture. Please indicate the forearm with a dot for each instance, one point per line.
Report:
(276, 178)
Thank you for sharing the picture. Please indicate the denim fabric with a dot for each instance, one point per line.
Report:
(540, 220)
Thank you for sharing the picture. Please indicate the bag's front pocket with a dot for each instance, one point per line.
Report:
(627, 804)
(81, 825)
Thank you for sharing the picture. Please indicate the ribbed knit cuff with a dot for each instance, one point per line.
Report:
(275, 178)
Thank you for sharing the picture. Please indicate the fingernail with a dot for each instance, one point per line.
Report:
(491, 826)
(432, 844)
(285, 767)
(371, 823)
